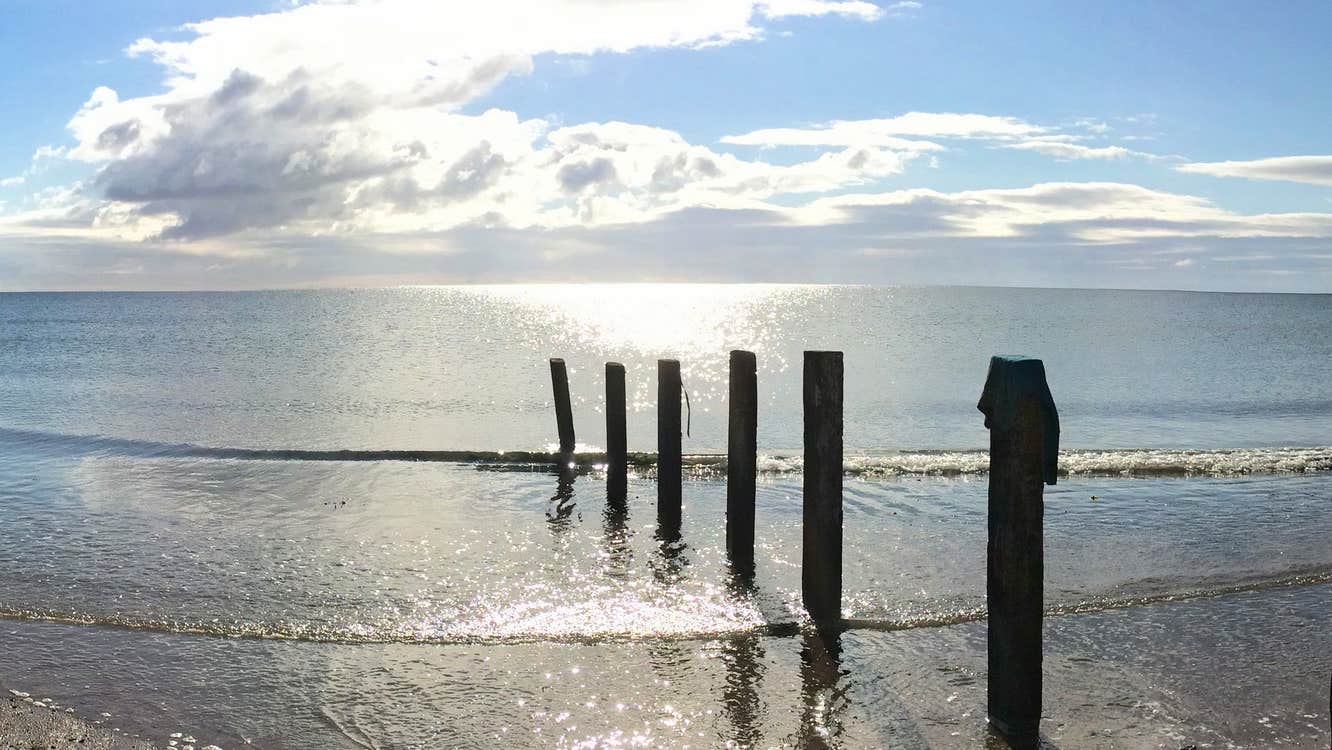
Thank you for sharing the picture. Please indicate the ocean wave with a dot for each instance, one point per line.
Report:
(732, 619)
(1106, 463)
(1144, 462)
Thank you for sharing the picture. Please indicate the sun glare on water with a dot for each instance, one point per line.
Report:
(670, 319)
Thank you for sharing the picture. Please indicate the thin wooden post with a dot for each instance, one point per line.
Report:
(668, 446)
(821, 561)
(1024, 451)
(742, 460)
(616, 441)
(559, 379)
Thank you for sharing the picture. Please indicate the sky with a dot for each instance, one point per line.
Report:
(165, 144)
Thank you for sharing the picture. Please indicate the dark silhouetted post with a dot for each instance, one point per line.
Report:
(559, 379)
(821, 563)
(742, 460)
(617, 459)
(1024, 455)
(668, 446)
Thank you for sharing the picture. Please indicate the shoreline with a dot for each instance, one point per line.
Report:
(953, 655)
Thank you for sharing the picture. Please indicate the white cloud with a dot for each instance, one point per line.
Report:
(357, 104)
(14, 181)
(852, 8)
(1092, 125)
(1071, 212)
(1008, 132)
(1315, 170)
(889, 132)
(1065, 151)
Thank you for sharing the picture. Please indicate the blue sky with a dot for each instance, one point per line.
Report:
(1128, 144)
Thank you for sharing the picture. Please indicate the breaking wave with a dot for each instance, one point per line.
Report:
(1145, 462)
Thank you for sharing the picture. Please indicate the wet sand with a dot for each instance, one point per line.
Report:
(28, 724)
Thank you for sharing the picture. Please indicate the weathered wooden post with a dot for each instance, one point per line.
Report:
(742, 460)
(1024, 455)
(821, 561)
(617, 459)
(668, 446)
(559, 380)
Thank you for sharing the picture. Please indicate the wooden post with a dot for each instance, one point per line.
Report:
(616, 442)
(821, 561)
(1024, 451)
(559, 380)
(668, 446)
(742, 460)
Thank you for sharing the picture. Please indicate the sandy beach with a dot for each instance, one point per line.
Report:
(29, 724)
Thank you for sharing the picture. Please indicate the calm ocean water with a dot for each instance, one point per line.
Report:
(159, 567)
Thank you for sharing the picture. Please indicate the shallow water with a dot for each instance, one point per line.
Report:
(441, 604)
(446, 552)
(1244, 671)
(184, 550)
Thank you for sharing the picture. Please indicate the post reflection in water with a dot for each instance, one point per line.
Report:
(669, 567)
(671, 562)
(823, 692)
(615, 524)
(742, 702)
(559, 512)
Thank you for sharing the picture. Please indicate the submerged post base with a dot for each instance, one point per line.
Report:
(1025, 737)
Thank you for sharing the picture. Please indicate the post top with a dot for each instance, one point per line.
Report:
(1013, 379)
(1015, 358)
(557, 360)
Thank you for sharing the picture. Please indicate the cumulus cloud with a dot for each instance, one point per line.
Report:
(1315, 170)
(336, 117)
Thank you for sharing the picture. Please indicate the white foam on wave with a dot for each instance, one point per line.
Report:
(1131, 462)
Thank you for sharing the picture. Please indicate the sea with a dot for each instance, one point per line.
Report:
(313, 518)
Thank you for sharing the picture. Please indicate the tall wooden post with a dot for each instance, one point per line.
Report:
(616, 442)
(821, 561)
(1024, 454)
(742, 460)
(559, 380)
(668, 446)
